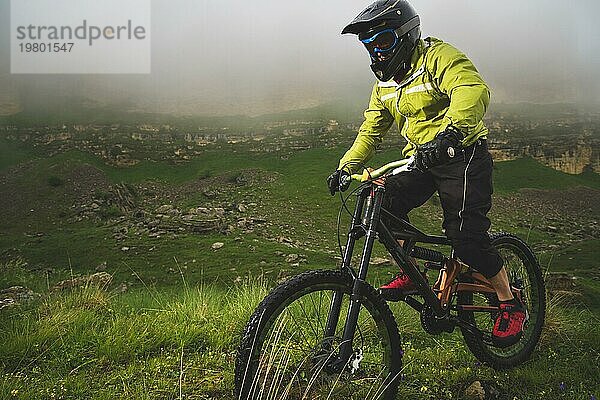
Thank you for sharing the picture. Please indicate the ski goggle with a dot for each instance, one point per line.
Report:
(381, 42)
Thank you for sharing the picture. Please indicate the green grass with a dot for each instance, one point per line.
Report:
(92, 344)
(579, 257)
(513, 175)
(183, 295)
(158, 262)
(296, 204)
(158, 343)
(12, 153)
(312, 165)
(298, 198)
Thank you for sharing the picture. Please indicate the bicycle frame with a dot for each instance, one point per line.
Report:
(367, 221)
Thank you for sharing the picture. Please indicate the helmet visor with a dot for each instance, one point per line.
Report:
(381, 42)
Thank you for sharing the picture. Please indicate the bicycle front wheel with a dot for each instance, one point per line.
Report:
(285, 353)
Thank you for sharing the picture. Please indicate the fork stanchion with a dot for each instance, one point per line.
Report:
(336, 301)
(371, 222)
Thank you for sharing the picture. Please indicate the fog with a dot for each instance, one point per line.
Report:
(234, 57)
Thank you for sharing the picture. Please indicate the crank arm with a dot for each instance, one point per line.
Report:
(472, 329)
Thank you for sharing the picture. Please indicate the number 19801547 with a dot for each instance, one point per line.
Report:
(45, 47)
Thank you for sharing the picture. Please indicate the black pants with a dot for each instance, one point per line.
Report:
(465, 189)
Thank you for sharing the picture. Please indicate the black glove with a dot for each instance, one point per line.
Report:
(443, 148)
(339, 181)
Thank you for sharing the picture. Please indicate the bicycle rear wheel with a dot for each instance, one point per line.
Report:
(284, 355)
(523, 273)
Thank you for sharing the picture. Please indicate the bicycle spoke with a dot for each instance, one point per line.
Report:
(307, 319)
(318, 310)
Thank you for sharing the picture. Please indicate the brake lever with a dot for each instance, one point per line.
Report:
(344, 181)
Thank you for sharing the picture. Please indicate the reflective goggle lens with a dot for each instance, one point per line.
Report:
(381, 42)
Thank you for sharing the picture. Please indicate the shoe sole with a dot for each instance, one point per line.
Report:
(396, 294)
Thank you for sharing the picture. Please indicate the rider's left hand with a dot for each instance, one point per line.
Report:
(443, 148)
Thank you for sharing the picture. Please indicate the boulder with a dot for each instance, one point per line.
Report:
(560, 281)
(101, 267)
(292, 258)
(16, 295)
(475, 391)
(380, 261)
(165, 208)
(99, 279)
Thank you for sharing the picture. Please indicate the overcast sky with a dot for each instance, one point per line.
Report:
(232, 56)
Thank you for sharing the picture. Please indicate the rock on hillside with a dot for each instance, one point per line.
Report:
(16, 295)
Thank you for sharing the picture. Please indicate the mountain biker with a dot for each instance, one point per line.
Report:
(436, 96)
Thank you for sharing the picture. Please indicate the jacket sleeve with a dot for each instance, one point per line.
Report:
(378, 121)
(457, 77)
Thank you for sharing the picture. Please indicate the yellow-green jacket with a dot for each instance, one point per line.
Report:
(442, 88)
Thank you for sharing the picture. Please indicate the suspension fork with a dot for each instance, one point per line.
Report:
(371, 223)
(354, 233)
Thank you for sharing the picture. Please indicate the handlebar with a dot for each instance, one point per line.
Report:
(396, 167)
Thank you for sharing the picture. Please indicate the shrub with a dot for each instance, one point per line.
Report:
(55, 181)
(109, 212)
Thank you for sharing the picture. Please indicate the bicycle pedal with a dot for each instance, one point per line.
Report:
(395, 295)
(389, 296)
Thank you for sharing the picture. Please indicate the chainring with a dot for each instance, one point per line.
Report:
(433, 325)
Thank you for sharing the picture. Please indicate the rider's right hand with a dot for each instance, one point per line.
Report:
(339, 181)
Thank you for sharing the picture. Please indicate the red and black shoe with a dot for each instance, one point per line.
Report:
(510, 322)
(398, 288)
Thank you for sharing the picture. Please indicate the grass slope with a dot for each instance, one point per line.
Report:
(164, 344)
(11, 154)
(297, 198)
(513, 175)
(173, 332)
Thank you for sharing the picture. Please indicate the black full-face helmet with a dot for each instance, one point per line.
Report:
(389, 29)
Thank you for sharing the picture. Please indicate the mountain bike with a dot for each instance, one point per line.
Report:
(328, 334)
